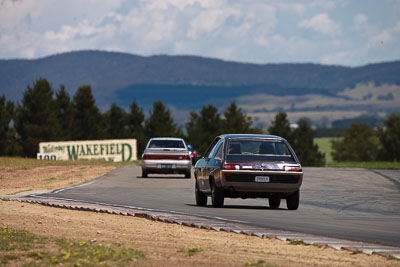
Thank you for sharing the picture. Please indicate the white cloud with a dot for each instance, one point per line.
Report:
(387, 35)
(302, 7)
(360, 19)
(251, 31)
(28, 52)
(15, 13)
(336, 58)
(206, 22)
(321, 23)
(161, 32)
(67, 32)
(362, 25)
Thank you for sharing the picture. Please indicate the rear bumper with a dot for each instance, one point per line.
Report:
(166, 166)
(245, 181)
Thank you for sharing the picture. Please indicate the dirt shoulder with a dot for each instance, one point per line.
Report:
(16, 180)
(162, 243)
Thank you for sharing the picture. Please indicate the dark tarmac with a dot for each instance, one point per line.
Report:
(354, 204)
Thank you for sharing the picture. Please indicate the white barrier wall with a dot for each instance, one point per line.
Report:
(109, 150)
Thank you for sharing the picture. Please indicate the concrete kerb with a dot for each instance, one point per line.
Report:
(216, 225)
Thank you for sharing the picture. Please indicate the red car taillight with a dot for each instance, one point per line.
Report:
(186, 157)
(292, 169)
(231, 167)
(176, 157)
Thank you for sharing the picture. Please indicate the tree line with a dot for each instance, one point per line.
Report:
(362, 142)
(44, 115)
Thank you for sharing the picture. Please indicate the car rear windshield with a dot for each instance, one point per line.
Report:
(258, 150)
(166, 144)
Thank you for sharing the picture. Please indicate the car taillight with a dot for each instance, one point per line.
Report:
(187, 157)
(151, 157)
(178, 157)
(296, 176)
(231, 167)
(292, 169)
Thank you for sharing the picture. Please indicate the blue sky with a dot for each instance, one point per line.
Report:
(340, 32)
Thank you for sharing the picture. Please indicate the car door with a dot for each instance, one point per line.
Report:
(213, 164)
(201, 167)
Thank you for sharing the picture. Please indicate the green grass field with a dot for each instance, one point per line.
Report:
(325, 146)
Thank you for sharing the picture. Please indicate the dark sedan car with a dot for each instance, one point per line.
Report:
(249, 166)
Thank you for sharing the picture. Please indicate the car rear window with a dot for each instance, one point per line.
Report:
(166, 144)
(258, 150)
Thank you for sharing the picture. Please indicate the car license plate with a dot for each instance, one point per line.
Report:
(262, 179)
(166, 166)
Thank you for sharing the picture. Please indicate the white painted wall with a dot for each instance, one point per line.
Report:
(109, 150)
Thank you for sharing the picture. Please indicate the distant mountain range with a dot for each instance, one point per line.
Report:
(187, 82)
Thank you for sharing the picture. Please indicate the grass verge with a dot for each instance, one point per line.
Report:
(33, 250)
(11, 239)
(259, 263)
(28, 163)
(191, 251)
(298, 242)
(365, 164)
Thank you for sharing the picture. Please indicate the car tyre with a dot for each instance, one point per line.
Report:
(292, 201)
(274, 201)
(201, 198)
(144, 173)
(217, 196)
(188, 173)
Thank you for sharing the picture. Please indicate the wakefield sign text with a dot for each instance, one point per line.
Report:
(110, 150)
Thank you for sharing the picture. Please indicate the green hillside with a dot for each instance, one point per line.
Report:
(113, 75)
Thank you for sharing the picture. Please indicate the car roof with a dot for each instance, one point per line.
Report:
(261, 136)
(166, 138)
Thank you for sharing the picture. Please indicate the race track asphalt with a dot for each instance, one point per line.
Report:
(354, 204)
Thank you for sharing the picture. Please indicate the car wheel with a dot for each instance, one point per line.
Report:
(144, 173)
(217, 196)
(274, 201)
(201, 198)
(292, 201)
(188, 173)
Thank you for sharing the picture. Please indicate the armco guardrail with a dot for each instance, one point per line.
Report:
(110, 150)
